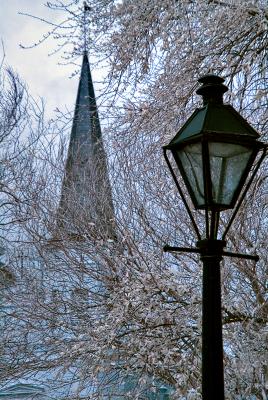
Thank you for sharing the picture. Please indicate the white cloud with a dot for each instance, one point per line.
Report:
(41, 73)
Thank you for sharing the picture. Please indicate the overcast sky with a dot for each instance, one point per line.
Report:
(41, 73)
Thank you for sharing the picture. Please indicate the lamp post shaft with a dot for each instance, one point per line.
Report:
(212, 344)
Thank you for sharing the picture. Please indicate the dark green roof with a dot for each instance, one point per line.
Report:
(86, 131)
(86, 166)
(215, 118)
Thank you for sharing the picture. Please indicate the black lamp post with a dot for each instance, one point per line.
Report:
(217, 154)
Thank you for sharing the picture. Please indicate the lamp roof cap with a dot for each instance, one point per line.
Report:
(212, 89)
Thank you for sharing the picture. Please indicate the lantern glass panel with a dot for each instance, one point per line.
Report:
(227, 163)
(191, 163)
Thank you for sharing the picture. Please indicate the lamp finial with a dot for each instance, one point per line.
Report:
(212, 89)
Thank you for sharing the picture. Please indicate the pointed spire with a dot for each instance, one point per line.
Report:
(86, 184)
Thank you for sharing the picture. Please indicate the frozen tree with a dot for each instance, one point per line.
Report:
(102, 310)
(20, 129)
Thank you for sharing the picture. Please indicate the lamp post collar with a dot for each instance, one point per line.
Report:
(212, 89)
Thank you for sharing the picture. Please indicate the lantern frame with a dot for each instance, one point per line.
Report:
(216, 123)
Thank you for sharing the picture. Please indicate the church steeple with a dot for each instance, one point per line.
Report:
(86, 184)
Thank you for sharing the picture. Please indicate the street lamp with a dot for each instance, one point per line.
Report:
(218, 155)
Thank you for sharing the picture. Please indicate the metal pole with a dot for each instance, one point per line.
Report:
(212, 345)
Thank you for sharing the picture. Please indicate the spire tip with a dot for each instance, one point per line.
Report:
(86, 7)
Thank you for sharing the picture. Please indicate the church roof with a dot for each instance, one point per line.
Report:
(22, 390)
(86, 183)
(86, 138)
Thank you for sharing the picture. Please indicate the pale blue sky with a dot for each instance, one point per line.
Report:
(42, 74)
